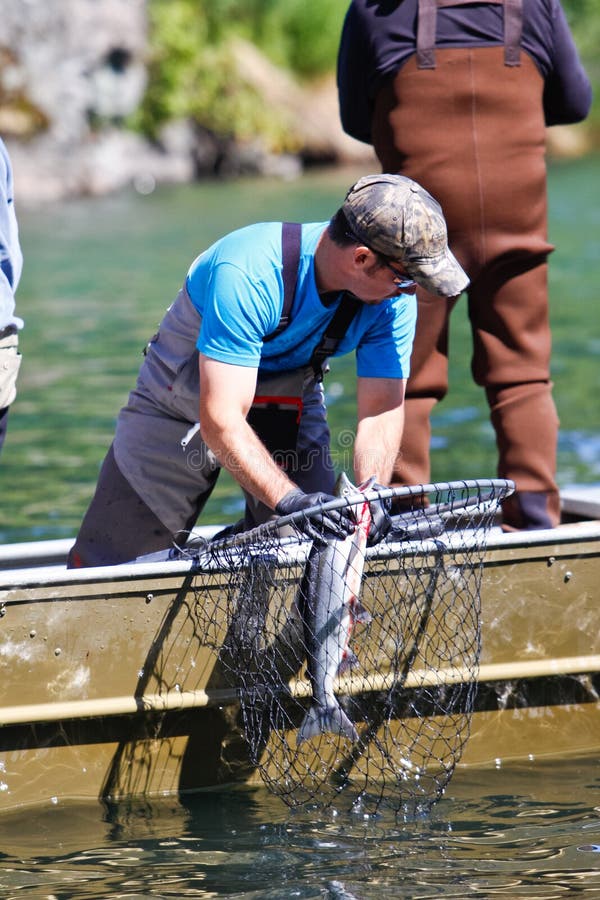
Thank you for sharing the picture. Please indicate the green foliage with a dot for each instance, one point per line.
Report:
(584, 18)
(192, 71)
(301, 35)
(176, 34)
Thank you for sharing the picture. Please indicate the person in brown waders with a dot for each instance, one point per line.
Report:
(456, 95)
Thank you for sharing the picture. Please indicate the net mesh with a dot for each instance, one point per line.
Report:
(397, 664)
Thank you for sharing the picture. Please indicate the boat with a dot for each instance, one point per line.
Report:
(114, 682)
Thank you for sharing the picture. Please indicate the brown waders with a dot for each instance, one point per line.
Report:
(471, 130)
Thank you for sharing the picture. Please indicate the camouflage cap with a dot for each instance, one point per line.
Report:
(395, 216)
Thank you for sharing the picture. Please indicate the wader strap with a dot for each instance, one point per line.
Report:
(291, 240)
(334, 333)
(426, 34)
(513, 29)
(426, 29)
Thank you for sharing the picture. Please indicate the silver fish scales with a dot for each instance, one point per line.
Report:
(330, 607)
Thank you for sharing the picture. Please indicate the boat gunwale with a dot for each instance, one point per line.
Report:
(563, 535)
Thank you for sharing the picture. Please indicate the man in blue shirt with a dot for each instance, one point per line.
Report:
(11, 264)
(233, 376)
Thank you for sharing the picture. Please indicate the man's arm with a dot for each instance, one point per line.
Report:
(226, 394)
(567, 90)
(11, 259)
(380, 403)
(353, 63)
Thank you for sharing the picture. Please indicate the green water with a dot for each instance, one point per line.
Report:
(98, 277)
(529, 831)
(99, 274)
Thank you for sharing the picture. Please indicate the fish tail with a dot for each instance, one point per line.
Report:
(320, 719)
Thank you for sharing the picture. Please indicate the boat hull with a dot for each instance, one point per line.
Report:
(111, 684)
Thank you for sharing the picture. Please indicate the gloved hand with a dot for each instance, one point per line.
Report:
(381, 522)
(337, 523)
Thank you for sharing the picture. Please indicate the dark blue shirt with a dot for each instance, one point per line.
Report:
(379, 36)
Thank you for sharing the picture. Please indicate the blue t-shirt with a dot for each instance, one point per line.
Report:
(237, 287)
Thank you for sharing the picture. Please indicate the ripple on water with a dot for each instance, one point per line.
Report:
(518, 831)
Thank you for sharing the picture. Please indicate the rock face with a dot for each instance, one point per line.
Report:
(68, 62)
(71, 71)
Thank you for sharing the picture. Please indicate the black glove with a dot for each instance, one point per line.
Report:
(381, 522)
(337, 523)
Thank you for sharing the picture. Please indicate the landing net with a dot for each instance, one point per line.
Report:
(407, 680)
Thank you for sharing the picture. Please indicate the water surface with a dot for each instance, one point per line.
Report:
(516, 832)
(99, 274)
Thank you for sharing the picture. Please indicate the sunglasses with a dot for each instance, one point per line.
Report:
(401, 279)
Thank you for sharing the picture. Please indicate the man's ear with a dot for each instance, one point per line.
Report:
(362, 255)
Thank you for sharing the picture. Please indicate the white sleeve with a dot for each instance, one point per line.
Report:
(11, 257)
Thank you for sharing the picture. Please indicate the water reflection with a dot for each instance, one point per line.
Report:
(519, 831)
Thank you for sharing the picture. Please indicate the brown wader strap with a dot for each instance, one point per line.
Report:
(513, 29)
(426, 29)
(426, 34)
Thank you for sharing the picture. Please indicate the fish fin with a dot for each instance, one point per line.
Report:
(350, 661)
(320, 719)
(367, 484)
(343, 485)
(360, 613)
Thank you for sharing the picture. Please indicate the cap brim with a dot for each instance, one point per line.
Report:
(442, 275)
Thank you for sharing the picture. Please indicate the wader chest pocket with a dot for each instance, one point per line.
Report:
(276, 420)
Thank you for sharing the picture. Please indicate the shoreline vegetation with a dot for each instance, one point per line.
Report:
(147, 92)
